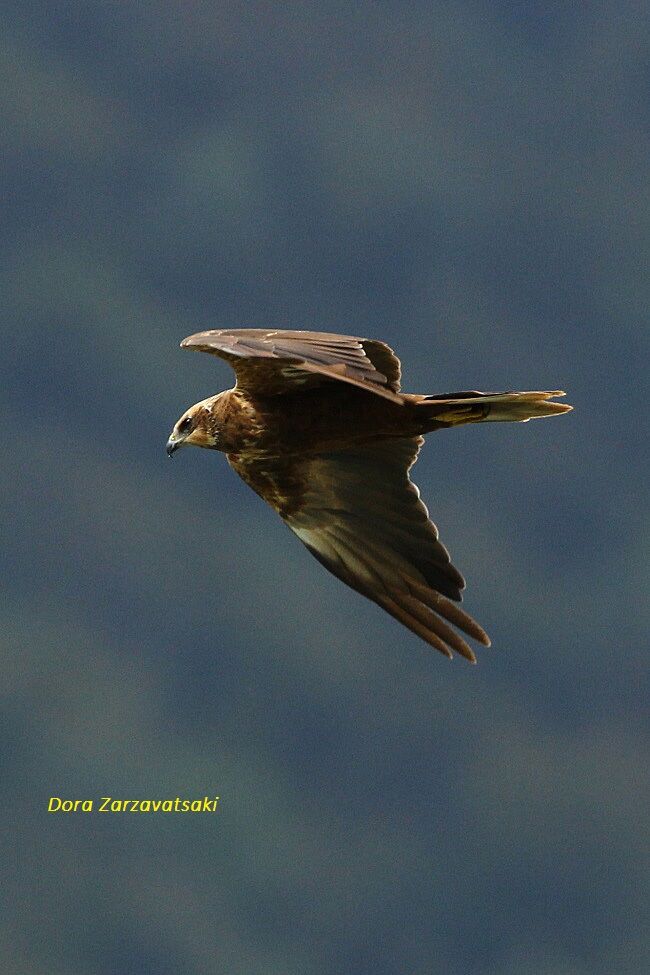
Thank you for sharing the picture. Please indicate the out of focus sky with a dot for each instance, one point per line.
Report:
(469, 182)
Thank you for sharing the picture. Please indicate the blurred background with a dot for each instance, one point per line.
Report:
(469, 182)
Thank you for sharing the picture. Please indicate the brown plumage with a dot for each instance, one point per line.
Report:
(318, 427)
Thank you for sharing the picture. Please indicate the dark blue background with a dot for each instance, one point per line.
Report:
(467, 181)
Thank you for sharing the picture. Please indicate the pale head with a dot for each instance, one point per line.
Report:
(196, 428)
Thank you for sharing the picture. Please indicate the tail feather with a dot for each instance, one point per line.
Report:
(453, 409)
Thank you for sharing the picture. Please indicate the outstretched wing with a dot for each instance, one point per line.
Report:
(360, 515)
(270, 363)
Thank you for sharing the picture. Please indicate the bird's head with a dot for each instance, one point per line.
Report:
(196, 427)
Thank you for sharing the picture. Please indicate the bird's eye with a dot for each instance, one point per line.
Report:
(184, 425)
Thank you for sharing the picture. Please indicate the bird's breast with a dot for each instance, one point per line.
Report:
(311, 421)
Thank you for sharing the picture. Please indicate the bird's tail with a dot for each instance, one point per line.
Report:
(453, 409)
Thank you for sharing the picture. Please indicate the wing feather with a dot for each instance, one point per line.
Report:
(274, 362)
(359, 514)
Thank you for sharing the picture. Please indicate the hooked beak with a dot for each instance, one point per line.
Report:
(173, 445)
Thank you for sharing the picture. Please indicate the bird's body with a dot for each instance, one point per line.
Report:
(317, 426)
(324, 419)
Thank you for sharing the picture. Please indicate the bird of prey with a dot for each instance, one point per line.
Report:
(317, 426)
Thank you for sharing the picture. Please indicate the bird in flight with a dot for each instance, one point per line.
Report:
(317, 426)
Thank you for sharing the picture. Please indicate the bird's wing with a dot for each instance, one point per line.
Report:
(270, 363)
(360, 515)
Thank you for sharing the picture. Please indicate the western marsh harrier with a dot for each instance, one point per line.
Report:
(318, 427)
